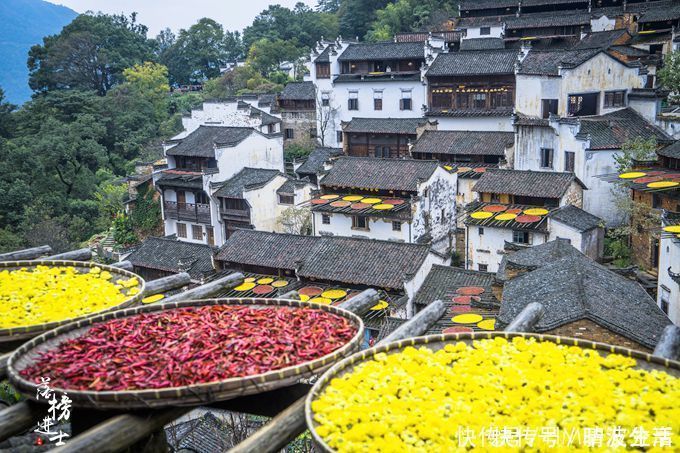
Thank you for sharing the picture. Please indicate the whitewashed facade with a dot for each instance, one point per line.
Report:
(668, 291)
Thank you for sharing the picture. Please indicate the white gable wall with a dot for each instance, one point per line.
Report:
(669, 256)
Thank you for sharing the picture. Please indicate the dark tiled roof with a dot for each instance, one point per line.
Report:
(661, 12)
(325, 55)
(290, 185)
(385, 125)
(547, 19)
(178, 178)
(629, 51)
(672, 151)
(464, 143)
(383, 51)
(527, 183)
(377, 173)
(612, 130)
(200, 435)
(171, 255)
(470, 113)
(399, 212)
(574, 288)
(412, 76)
(266, 118)
(258, 248)
(471, 5)
(482, 44)
(482, 21)
(299, 91)
(603, 39)
(422, 36)
(541, 225)
(202, 141)
(548, 62)
(576, 218)
(468, 63)
(471, 170)
(534, 257)
(246, 179)
(316, 159)
(354, 261)
(521, 119)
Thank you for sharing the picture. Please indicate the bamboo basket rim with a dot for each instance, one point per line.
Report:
(392, 347)
(189, 395)
(25, 332)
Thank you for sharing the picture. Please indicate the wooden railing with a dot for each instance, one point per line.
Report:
(191, 212)
(238, 214)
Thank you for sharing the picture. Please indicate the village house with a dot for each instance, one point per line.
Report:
(472, 90)
(209, 156)
(581, 298)
(368, 80)
(668, 291)
(383, 137)
(518, 209)
(402, 200)
(396, 268)
(316, 164)
(297, 105)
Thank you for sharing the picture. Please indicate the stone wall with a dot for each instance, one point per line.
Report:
(588, 330)
(302, 124)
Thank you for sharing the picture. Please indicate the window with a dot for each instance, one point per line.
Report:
(664, 299)
(481, 231)
(197, 232)
(547, 157)
(286, 199)
(201, 198)
(181, 230)
(339, 136)
(325, 219)
(359, 223)
(323, 70)
(549, 106)
(521, 237)
(312, 133)
(656, 201)
(484, 31)
(377, 100)
(442, 219)
(569, 161)
(479, 100)
(396, 226)
(406, 102)
(483, 267)
(211, 235)
(289, 134)
(353, 101)
(583, 104)
(325, 99)
(615, 99)
(382, 151)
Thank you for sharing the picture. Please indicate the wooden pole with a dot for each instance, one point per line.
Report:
(668, 346)
(209, 289)
(74, 255)
(419, 324)
(166, 284)
(26, 254)
(3, 364)
(20, 417)
(289, 424)
(125, 265)
(362, 302)
(293, 295)
(527, 319)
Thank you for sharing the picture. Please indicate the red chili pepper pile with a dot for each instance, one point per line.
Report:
(191, 345)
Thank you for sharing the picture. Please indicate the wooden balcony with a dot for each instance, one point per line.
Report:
(190, 212)
(237, 215)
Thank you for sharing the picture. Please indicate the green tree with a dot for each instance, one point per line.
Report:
(6, 119)
(356, 16)
(198, 53)
(90, 54)
(265, 55)
(123, 233)
(328, 6)
(669, 75)
(637, 149)
(410, 15)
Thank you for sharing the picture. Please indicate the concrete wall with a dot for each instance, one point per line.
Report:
(473, 32)
(590, 243)
(341, 225)
(489, 247)
(412, 286)
(487, 123)
(669, 256)
(435, 207)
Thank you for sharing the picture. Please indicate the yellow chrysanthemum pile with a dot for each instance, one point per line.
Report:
(421, 400)
(49, 294)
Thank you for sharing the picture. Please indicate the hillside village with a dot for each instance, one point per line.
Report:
(444, 157)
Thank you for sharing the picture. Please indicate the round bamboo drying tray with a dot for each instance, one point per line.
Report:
(192, 395)
(15, 334)
(436, 342)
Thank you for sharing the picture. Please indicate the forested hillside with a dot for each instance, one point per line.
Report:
(103, 99)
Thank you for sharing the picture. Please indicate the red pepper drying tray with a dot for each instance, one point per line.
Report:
(192, 395)
(436, 342)
(18, 334)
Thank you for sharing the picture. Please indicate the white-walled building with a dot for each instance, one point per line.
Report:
(369, 80)
(668, 292)
(401, 200)
(514, 210)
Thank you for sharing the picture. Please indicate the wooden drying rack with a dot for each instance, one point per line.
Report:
(113, 431)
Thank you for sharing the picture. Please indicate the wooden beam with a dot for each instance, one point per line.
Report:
(74, 255)
(293, 295)
(121, 431)
(125, 265)
(527, 319)
(419, 324)
(668, 346)
(209, 289)
(289, 424)
(20, 417)
(362, 302)
(165, 284)
(26, 254)
(3, 364)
